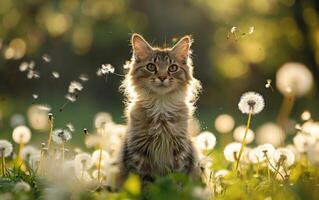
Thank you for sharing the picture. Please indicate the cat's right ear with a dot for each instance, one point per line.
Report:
(141, 49)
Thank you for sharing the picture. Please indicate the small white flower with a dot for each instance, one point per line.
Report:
(205, 141)
(286, 154)
(5, 148)
(251, 102)
(239, 133)
(75, 86)
(55, 74)
(303, 141)
(21, 134)
(21, 186)
(305, 115)
(60, 136)
(231, 151)
(254, 156)
(84, 160)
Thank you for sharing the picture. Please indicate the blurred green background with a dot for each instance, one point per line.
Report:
(80, 35)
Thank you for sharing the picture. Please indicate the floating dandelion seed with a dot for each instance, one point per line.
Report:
(70, 97)
(303, 141)
(233, 29)
(205, 141)
(70, 127)
(254, 156)
(224, 123)
(251, 30)
(46, 58)
(60, 136)
(107, 68)
(268, 84)
(313, 152)
(285, 155)
(84, 77)
(75, 87)
(21, 134)
(44, 107)
(231, 151)
(239, 134)
(55, 74)
(35, 96)
(251, 102)
(23, 66)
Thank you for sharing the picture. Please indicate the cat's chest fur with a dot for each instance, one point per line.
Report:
(160, 132)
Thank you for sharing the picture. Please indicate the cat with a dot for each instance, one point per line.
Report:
(160, 93)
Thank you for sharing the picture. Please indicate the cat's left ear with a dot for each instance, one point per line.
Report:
(182, 50)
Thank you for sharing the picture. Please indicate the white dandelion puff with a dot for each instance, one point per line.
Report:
(286, 156)
(21, 134)
(231, 151)
(75, 86)
(270, 133)
(60, 136)
(303, 141)
(84, 160)
(254, 156)
(107, 68)
(251, 102)
(239, 134)
(205, 141)
(55, 74)
(5, 148)
(35, 96)
(294, 78)
(265, 150)
(21, 186)
(224, 123)
(29, 151)
(105, 157)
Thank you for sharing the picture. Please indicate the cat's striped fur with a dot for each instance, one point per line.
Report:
(159, 105)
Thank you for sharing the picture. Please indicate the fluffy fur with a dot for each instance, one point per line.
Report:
(160, 94)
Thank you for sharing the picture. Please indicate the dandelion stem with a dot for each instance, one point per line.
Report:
(99, 166)
(243, 141)
(285, 109)
(65, 103)
(51, 119)
(276, 170)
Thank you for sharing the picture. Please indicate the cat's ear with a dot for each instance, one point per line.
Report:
(182, 50)
(141, 49)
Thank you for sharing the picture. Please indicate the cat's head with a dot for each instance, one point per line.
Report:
(160, 71)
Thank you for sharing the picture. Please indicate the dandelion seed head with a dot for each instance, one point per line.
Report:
(60, 136)
(21, 186)
(28, 151)
(287, 154)
(84, 160)
(313, 152)
(239, 133)
(21, 134)
(5, 148)
(55, 74)
(205, 162)
(251, 102)
(107, 68)
(302, 141)
(270, 133)
(96, 156)
(205, 141)
(231, 151)
(224, 123)
(38, 116)
(294, 78)
(311, 128)
(265, 149)
(101, 119)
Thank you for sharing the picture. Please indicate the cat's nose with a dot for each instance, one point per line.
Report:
(162, 78)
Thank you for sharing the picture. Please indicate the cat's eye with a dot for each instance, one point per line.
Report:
(151, 67)
(172, 68)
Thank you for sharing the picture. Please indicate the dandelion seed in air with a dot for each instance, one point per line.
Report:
(84, 77)
(70, 127)
(35, 96)
(23, 66)
(46, 58)
(233, 29)
(55, 74)
(268, 84)
(251, 30)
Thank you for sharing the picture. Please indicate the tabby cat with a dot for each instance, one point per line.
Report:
(161, 91)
